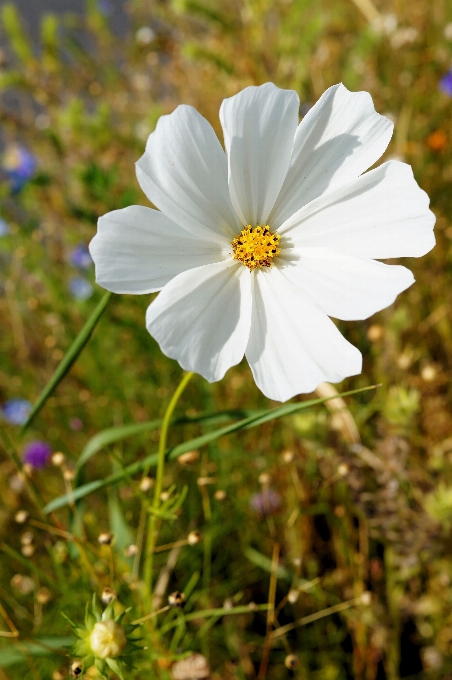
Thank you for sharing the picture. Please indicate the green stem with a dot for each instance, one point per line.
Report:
(151, 536)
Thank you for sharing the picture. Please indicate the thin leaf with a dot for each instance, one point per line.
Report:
(197, 442)
(112, 435)
(46, 646)
(69, 358)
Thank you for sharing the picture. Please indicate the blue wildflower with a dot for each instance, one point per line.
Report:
(37, 454)
(80, 288)
(445, 84)
(80, 257)
(4, 227)
(19, 165)
(16, 411)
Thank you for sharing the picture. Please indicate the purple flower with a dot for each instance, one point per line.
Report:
(76, 424)
(4, 227)
(80, 288)
(80, 257)
(19, 165)
(37, 454)
(265, 503)
(16, 411)
(445, 84)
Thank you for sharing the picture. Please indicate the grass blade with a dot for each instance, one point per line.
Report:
(112, 435)
(151, 461)
(69, 358)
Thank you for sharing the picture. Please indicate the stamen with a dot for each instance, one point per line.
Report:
(256, 246)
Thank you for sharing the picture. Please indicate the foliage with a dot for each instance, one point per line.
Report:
(364, 485)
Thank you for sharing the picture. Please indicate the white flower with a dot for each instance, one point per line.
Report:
(324, 226)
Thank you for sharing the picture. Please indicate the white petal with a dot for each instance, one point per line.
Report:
(345, 287)
(259, 126)
(138, 250)
(202, 318)
(293, 345)
(338, 139)
(184, 173)
(383, 214)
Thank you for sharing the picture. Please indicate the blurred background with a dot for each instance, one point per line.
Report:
(357, 496)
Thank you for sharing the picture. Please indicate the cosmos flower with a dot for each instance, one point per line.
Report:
(80, 257)
(445, 84)
(37, 454)
(19, 166)
(256, 247)
(80, 288)
(16, 411)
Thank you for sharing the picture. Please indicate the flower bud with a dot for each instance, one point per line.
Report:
(220, 495)
(194, 537)
(107, 639)
(131, 550)
(176, 599)
(21, 516)
(105, 538)
(293, 595)
(108, 595)
(146, 484)
(291, 662)
(58, 459)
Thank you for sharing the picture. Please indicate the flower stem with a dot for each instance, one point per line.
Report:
(151, 537)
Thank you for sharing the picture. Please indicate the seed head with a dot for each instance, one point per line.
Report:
(27, 538)
(293, 596)
(21, 516)
(43, 595)
(76, 668)
(194, 537)
(108, 595)
(131, 550)
(28, 550)
(58, 459)
(105, 538)
(188, 457)
(146, 484)
(291, 662)
(176, 599)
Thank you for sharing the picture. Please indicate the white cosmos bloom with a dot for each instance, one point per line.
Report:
(324, 226)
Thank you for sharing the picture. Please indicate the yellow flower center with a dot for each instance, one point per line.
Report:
(256, 246)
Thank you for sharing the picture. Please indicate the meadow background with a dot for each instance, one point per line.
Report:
(340, 514)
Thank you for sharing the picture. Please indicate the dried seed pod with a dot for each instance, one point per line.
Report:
(105, 538)
(194, 667)
(131, 550)
(188, 457)
(43, 595)
(176, 599)
(27, 538)
(291, 662)
(58, 459)
(146, 484)
(108, 595)
(293, 596)
(21, 516)
(194, 537)
(28, 550)
(76, 668)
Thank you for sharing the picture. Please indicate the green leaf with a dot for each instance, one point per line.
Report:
(197, 442)
(112, 435)
(68, 360)
(45, 646)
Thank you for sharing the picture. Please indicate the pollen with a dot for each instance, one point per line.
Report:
(256, 246)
